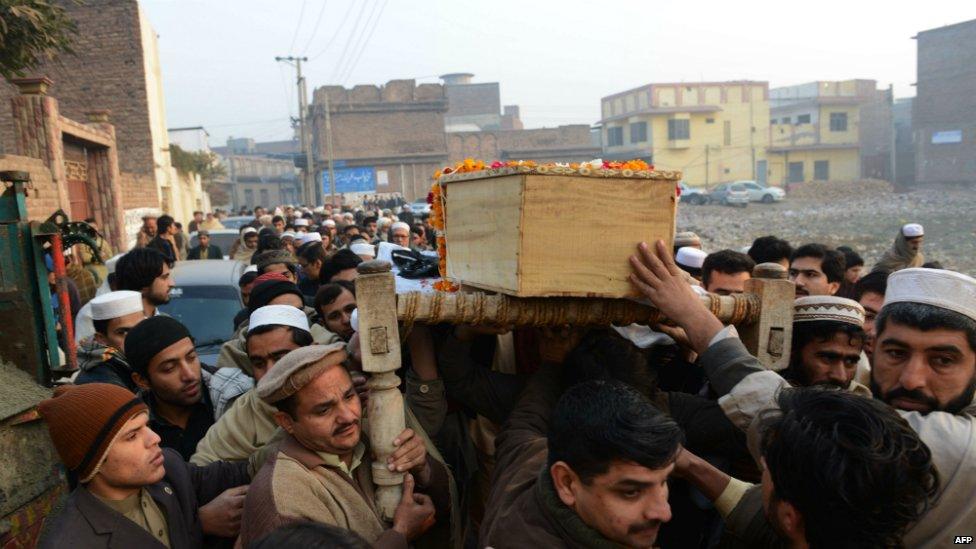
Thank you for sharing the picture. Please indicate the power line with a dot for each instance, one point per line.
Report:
(369, 36)
(349, 41)
(338, 30)
(301, 17)
(315, 29)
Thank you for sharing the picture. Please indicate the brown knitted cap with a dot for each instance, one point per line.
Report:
(83, 421)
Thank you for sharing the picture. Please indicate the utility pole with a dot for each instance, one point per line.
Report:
(328, 144)
(309, 195)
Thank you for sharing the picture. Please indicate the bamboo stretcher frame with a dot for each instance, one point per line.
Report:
(763, 315)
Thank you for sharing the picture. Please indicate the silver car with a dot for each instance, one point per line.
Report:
(205, 299)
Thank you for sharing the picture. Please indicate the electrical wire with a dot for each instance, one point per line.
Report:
(338, 30)
(315, 29)
(369, 36)
(349, 41)
(301, 18)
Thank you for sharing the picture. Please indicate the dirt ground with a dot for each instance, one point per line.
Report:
(867, 219)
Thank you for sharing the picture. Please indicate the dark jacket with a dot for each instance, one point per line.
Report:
(213, 252)
(164, 247)
(86, 522)
(522, 508)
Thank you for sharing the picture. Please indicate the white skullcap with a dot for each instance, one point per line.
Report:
(348, 215)
(116, 304)
(329, 223)
(937, 287)
(301, 222)
(278, 315)
(248, 230)
(362, 248)
(313, 237)
(913, 230)
(251, 269)
(828, 307)
(692, 258)
(289, 234)
(319, 209)
(400, 225)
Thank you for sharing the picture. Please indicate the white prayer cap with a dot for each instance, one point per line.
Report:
(329, 223)
(828, 307)
(692, 258)
(313, 237)
(348, 215)
(937, 287)
(248, 230)
(251, 269)
(278, 315)
(400, 225)
(288, 234)
(913, 230)
(301, 222)
(362, 248)
(116, 304)
(319, 209)
(745, 249)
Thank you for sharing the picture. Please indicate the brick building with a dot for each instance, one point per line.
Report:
(944, 117)
(116, 68)
(393, 133)
(570, 143)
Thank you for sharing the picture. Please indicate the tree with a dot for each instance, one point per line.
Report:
(31, 33)
(204, 163)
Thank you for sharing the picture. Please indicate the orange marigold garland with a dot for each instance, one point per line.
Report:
(436, 200)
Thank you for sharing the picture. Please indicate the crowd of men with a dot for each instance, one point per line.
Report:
(635, 436)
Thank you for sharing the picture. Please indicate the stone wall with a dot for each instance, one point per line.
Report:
(43, 198)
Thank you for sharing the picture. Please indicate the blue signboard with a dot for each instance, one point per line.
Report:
(951, 136)
(351, 180)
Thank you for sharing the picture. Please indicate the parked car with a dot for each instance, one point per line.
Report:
(760, 193)
(205, 299)
(222, 238)
(729, 194)
(420, 207)
(692, 195)
(237, 222)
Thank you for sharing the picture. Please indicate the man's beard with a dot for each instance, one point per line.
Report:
(796, 374)
(954, 406)
(157, 300)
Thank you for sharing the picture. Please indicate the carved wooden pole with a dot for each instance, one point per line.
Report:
(769, 338)
(380, 341)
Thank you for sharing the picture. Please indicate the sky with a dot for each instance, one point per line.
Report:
(555, 59)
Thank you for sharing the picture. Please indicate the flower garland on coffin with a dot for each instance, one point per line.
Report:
(438, 192)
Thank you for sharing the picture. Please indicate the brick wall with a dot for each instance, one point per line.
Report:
(106, 72)
(42, 199)
(138, 191)
(563, 144)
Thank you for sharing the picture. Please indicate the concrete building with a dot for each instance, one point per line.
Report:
(712, 131)
(945, 105)
(256, 180)
(386, 139)
(116, 68)
(473, 106)
(829, 130)
(194, 139)
(570, 143)
(901, 113)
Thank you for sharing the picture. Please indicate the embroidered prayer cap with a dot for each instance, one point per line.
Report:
(693, 258)
(827, 307)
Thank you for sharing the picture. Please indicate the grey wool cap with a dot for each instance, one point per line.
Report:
(297, 369)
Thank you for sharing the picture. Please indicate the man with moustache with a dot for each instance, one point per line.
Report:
(130, 492)
(924, 367)
(166, 367)
(816, 270)
(322, 471)
(828, 336)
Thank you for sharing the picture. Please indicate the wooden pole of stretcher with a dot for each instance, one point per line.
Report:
(380, 348)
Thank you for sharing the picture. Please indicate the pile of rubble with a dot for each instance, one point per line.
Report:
(840, 190)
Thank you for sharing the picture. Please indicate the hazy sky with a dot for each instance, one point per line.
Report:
(554, 58)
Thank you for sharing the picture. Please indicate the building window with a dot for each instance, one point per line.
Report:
(638, 132)
(727, 132)
(615, 137)
(712, 121)
(796, 172)
(821, 170)
(786, 120)
(265, 199)
(803, 119)
(679, 129)
(838, 121)
(249, 198)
